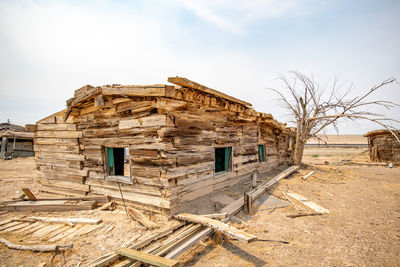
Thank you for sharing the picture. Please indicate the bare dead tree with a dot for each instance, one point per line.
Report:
(313, 108)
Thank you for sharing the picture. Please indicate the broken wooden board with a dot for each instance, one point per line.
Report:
(217, 225)
(217, 216)
(146, 257)
(29, 194)
(308, 203)
(41, 248)
(141, 218)
(49, 205)
(308, 175)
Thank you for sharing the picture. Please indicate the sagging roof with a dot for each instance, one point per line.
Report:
(380, 132)
(16, 134)
(177, 91)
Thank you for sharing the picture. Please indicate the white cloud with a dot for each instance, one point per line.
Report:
(210, 16)
(235, 15)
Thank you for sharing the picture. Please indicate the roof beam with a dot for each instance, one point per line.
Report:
(188, 83)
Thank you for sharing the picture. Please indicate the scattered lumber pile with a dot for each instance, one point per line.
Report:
(181, 237)
(51, 204)
(50, 229)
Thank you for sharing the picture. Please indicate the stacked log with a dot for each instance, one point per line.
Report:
(170, 134)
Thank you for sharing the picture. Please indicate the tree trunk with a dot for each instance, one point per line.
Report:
(298, 152)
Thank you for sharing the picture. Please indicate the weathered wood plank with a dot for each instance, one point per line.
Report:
(139, 216)
(59, 134)
(56, 127)
(308, 203)
(217, 225)
(147, 258)
(188, 83)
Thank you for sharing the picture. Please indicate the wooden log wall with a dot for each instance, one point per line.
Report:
(384, 148)
(58, 156)
(171, 144)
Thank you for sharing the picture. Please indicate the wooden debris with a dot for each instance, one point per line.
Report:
(308, 203)
(106, 259)
(141, 218)
(109, 206)
(29, 194)
(39, 248)
(248, 202)
(217, 216)
(48, 205)
(146, 258)
(291, 202)
(217, 225)
(63, 220)
(308, 175)
(237, 205)
(303, 215)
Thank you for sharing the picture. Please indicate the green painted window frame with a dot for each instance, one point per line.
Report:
(223, 159)
(261, 153)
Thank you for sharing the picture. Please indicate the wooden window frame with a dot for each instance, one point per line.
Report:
(116, 178)
(231, 165)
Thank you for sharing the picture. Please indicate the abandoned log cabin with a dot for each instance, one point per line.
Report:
(383, 146)
(163, 145)
(16, 141)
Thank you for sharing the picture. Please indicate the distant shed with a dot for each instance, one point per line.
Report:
(16, 141)
(383, 146)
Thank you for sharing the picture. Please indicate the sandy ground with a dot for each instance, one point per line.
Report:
(362, 228)
(19, 173)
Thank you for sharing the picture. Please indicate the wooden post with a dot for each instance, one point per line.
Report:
(13, 148)
(248, 201)
(3, 148)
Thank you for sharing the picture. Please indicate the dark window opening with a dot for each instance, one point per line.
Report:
(261, 153)
(117, 163)
(223, 159)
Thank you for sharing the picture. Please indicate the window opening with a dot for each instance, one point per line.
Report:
(223, 159)
(117, 161)
(261, 153)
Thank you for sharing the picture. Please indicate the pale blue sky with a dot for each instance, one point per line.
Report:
(50, 48)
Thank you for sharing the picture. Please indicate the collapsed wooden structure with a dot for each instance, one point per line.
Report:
(16, 141)
(157, 146)
(383, 146)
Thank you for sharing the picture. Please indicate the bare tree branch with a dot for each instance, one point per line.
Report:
(313, 111)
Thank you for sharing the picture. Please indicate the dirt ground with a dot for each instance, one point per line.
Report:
(362, 228)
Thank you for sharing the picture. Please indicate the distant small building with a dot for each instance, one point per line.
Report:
(383, 146)
(16, 141)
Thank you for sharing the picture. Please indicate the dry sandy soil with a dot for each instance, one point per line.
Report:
(362, 228)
